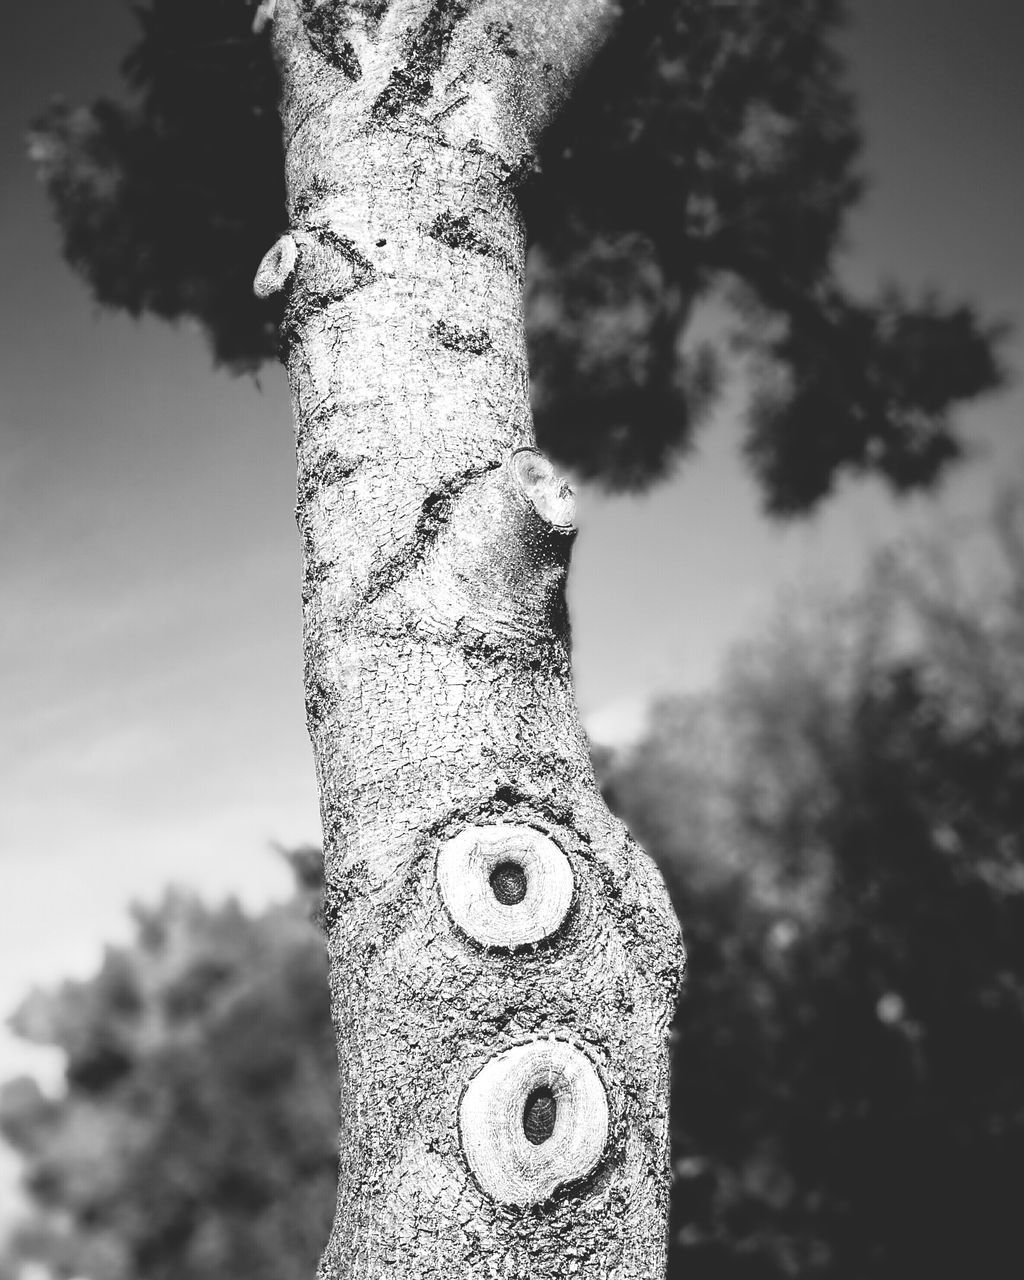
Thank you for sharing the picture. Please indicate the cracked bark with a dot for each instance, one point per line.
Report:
(503, 1103)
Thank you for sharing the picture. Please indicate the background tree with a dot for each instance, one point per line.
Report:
(842, 831)
(711, 153)
(196, 1137)
(841, 828)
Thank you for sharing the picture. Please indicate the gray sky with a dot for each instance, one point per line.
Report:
(150, 698)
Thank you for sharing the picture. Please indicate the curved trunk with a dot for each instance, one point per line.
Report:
(504, 960)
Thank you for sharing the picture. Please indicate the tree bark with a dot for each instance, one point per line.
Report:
(504, 959)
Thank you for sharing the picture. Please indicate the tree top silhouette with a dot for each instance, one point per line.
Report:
(713, 151)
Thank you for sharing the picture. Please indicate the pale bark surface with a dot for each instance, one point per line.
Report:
(501, 1000)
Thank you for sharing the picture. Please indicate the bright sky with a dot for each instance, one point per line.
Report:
(150, 699)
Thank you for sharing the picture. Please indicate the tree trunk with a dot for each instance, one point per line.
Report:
(504, 959)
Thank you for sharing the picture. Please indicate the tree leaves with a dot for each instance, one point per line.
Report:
(863, 388)
(841, 827)
(196, 1138)
(167, 204)
(712, 151)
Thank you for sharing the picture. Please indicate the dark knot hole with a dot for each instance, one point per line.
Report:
(539, 1115)
(508, 880)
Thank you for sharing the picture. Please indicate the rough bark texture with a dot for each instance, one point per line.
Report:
(438, 684)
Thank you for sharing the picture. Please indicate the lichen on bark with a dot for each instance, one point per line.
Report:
(438, 683)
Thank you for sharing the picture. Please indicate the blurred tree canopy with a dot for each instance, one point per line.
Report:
(197, 1134)
(712, 154)
(842, 829)
(843, 833)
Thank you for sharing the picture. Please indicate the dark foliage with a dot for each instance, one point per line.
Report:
(843, 833)
(168, 204)
(711, 153)
(846, 851)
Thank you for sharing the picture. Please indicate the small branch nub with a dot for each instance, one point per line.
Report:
(276, 268)
(552, 496)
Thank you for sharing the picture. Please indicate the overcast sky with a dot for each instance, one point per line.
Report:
(151, 722)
